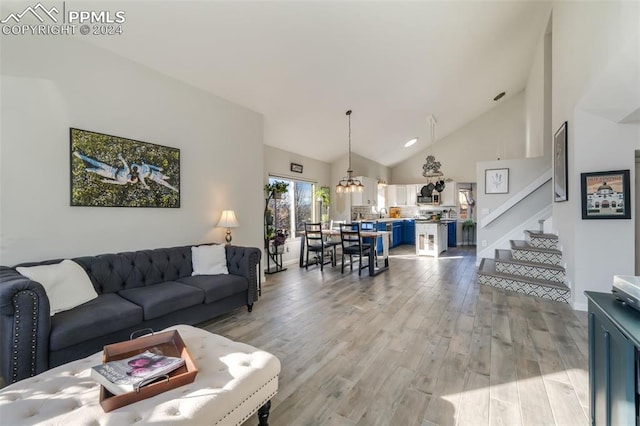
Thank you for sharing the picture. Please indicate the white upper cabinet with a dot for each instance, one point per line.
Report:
(392, 196)
(396, 195)
(369, 194)
(412, 193)
(449, 196)
(401, 195)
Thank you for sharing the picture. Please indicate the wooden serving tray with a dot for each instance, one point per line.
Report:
(169, 343)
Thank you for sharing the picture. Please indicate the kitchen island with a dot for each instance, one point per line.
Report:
(402, 229)
(431, 237)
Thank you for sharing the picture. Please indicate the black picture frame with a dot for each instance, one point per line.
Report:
(297, 168)
(560, 164)
(606, 195)
(112, 171)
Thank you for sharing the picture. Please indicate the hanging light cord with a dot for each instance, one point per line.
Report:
(349, 184)
(349, 171)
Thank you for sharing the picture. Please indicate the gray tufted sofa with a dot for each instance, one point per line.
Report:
(136, 290)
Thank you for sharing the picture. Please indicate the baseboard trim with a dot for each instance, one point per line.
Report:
(580, 306)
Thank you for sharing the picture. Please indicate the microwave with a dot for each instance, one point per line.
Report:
(434, 198)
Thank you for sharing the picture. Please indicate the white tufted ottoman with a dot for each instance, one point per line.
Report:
(234, 381)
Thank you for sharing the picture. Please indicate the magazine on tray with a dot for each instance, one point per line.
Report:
(128, 375)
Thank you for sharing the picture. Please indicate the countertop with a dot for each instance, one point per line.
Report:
(384, 219)
(435, 221)
(396, 219)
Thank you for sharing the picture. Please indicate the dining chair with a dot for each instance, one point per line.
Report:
(352, 245)
(335, 224)
(317, 244)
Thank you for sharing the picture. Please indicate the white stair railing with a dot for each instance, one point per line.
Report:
(514, 234)
(517, 197)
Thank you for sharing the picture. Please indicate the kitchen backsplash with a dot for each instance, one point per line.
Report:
(370, 213)
(364, 212)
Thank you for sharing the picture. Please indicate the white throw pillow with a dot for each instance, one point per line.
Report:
(209, 260)
(66, 283)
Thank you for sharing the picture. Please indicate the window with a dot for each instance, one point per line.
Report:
(296, 206)
(466, 203)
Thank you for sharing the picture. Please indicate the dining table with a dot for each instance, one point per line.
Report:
(375, 268)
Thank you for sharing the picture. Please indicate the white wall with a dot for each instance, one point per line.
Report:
(587, 38)
(362, 166)
(498, 133)
(521, 173)
(52, 83)
(603, 248)
(278, 162)
(538, 100)
(637, 213)
(534, 101)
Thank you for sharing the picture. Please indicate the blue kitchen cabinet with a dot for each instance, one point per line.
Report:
(452, 233)
(409, 232)
(397, 233)
(381, 226)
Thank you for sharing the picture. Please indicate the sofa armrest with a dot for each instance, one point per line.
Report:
(24, 326)
(245, 261)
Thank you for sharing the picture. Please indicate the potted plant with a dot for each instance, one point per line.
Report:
(324, 196)
(270, 233)
(469, 223)
(468, 228)
(278, 241)
(268, 216)
(277, 188)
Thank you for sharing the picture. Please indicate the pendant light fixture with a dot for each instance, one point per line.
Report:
(349, 184)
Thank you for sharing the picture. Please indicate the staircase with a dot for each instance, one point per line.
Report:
(531, 267)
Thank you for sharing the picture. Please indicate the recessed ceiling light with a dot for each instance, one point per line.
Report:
(499, 96)
(411, 142)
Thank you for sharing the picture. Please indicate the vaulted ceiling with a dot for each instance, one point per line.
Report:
(303, 64)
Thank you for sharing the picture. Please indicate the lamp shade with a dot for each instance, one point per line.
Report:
(228, 219)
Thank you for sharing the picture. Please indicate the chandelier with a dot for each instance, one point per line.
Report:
(348, 183)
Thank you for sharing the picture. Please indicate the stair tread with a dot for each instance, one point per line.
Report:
(488, 267)
(507, 256)
(540, 234)
(523, 245)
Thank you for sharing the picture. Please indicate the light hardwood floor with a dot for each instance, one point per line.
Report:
(422, 344)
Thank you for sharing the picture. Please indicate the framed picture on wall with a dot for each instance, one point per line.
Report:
(296, 167)
(560, 165)
(110, 171)
(496, 181)
(606, 195)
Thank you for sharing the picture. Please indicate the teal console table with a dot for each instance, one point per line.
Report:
(614, 359)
